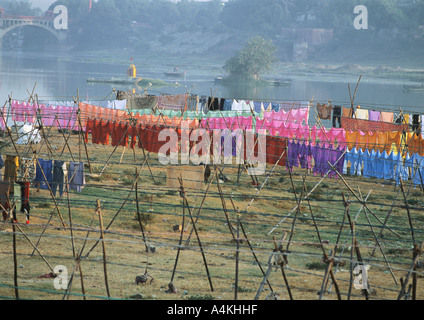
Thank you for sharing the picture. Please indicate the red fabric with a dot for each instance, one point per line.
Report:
(89, 127)
(275, 146)
(352, 124)
(120, 134)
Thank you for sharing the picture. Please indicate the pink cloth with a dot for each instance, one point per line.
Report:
(386, 116)
(303, 133)
(338, 134)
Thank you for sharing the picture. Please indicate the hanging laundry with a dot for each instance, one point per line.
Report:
(418, 178)
(59, 171)
(357, 157)
(367, 164)
(337, 116)
(11, 166)
(324, 111)
(347, 112)
(416, 123)
(227, 105)
(422, 124)
(372, 140)
(213, 104)
(76, 176)
(43, 175)
(381, 140)
(374, 115)
(275, 147)
(292, 155)
(257, 106)
(387, 116)
(406, 118)
(24, 198)
(361, 114)
(362, 140)
(305, 156)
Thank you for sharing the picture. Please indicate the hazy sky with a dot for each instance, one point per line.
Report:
(43, 4)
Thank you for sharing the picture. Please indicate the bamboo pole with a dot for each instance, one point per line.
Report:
(102, 238)
(183, 194)
(15, 264)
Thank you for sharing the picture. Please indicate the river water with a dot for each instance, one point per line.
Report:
(61, 77)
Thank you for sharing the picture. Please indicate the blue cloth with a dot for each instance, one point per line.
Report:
(275, 106)
(227, 105)
(257, 106)
(355, 157)
(419, 178)
(389, 166)
(367, 164)
(399, 170)
(76, 176)
(46, 167)
(58, 177)
(418, 172)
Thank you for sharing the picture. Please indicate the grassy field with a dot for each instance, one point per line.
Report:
(60, 234)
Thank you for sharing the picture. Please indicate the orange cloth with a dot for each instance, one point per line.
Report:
(372, 141)
(362, 140)
(415, 143)
(421, 145)
(351, 138)
(84, 112)
(393, 141)
(381, 141)
(347, 112)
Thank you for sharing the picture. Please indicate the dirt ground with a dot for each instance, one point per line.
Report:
(320, 225)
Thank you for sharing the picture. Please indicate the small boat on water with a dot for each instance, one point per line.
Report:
(417, 88)
(175, 74)
(121, 81)
(278, 83)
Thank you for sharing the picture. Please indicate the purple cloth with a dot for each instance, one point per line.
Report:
(374, 115)
(76, 176)
(292, 155)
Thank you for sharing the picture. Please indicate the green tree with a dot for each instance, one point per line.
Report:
(19, 7)
(254, 59)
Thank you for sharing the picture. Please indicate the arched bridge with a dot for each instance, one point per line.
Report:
(8, 23)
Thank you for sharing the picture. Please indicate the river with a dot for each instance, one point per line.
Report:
(63, 76)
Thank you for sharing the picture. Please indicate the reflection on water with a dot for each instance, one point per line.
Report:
(60, 77)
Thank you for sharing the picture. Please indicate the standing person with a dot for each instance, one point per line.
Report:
(26, 174)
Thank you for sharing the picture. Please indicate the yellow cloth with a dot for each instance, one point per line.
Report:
(405, 118)
(393, 141)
